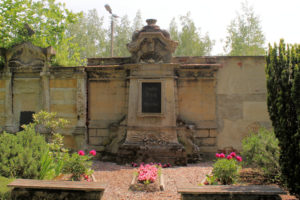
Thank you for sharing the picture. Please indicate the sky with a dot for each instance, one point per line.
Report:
(278, 18)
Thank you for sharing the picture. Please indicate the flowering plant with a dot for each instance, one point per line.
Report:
(79, 165)
(147, 173)
(226, 168)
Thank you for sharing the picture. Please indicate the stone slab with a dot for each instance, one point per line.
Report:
(57, 185)
(232, 190)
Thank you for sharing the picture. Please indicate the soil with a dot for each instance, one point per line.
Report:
(250, 176)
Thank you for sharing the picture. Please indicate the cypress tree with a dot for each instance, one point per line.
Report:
(283, 85)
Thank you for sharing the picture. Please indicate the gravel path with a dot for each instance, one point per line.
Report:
(118, 179)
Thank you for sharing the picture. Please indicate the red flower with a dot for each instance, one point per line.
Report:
(239, 158)
(229, 157)
(81, 153)
(233, 154)
(222, 155)
(93, 152)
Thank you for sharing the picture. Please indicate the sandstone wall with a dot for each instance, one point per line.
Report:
(241, 99)
(107, 104)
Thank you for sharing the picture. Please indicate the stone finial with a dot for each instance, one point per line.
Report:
(151, 21)
(151, 44)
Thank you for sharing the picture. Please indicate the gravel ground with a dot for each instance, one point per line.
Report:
(118, 179)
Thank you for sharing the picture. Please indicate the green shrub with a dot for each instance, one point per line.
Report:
(5, 191)
(226, 170)
(21, 153)
(261, 150)
(28, 155)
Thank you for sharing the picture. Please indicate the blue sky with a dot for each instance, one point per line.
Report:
(279, 19)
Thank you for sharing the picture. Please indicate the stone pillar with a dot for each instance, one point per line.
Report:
(45, 80)
(81, 99)
(10, 126)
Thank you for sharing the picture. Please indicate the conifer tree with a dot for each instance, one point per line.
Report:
(283, 85)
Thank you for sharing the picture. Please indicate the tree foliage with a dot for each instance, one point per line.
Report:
(283, 85)
(137, 23)
(245, 36)
(191, 42)
(90, 35)
(122, 36)
(47, 18)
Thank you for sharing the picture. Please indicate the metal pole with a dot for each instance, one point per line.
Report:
(112, 37)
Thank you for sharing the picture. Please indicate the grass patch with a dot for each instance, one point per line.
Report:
(4, 190)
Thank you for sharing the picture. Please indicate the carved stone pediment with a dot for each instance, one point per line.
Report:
(151, 44)
(27, 55)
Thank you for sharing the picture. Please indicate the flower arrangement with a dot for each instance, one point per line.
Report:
(147, 173)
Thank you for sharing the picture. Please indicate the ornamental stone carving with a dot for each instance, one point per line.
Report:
(151, 44)
(27, 55)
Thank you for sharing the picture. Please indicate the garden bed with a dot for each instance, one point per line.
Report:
(157, 185)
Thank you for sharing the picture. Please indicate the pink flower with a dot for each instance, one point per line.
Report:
(233, 154)
(147, 173)
(222, 155)
(93, 152)
(217, 155)
(229, 157)
(239, 158)
(81, 153)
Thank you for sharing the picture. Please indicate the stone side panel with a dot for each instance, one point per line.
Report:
(241, 99)
(63, 99)
(107, 105)
(2, 104)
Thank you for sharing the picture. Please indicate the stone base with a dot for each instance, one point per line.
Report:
(229, 197)
(173, 153)
(47, 194)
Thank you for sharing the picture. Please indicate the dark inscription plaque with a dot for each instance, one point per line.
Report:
(151, 97)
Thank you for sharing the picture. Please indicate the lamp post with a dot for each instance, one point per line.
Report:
(108, 8)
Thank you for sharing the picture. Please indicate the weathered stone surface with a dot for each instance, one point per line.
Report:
(149, 151)
(257, 111)
(151, 44)
(229, 192)
(26, 189)
(27, 55)
(35, 194)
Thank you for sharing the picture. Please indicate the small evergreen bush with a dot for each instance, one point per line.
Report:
(261, 150)
(21, 153)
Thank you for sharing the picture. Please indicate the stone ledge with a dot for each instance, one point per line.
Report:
(27, 189)
(252, 192)
(64, 185)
